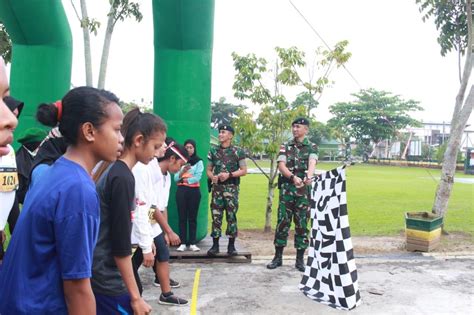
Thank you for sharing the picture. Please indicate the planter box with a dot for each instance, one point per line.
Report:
(423, 231)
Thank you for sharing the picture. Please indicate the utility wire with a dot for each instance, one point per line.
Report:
(322, 39)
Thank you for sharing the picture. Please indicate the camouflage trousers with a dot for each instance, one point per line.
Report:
(293, 205)
(224, 198)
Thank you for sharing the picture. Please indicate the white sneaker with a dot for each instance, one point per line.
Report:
(194, 248)
(181, 248)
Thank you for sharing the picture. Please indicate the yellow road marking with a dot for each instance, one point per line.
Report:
(195, 291)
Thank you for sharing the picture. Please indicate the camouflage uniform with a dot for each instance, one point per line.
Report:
(225, 195)
(294, 202)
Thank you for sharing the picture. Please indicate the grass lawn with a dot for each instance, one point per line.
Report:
(378, 197)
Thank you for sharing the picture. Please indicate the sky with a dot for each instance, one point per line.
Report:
(392, 49)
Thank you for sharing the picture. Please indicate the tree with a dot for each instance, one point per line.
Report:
(374, 115)
(271, 128)
(223, 112)
(5, 44)
(119, 10)
(453, 19)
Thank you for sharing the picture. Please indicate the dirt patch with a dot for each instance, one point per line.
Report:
(261, 244)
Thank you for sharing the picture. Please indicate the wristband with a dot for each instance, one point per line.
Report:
(231, 175)
(291, 177)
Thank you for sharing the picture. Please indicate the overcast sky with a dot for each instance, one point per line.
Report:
(392, 49)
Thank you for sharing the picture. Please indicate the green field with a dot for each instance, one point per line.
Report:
(378, 197)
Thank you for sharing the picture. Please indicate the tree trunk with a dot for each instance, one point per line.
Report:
(87, 45)
(106, 48)
(458, 123)
(270, 194)
(443, 192)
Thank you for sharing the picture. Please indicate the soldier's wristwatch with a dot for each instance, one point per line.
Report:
(292, 176)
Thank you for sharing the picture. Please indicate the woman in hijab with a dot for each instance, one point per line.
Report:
(188, 196)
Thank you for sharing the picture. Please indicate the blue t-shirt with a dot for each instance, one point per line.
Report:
(54, 240)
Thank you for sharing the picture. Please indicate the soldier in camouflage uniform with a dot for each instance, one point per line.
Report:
(296, 163)
(226, 166)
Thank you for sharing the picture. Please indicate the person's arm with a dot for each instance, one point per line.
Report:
(142, 230)
(162, 220)
(79, 297)
(285, 172)
(197, 173)
(122, 191)
(124, 265)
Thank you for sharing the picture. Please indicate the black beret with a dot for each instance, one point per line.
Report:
(301, 121)
(226, 127)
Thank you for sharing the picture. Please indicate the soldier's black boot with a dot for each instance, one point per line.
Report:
(231, 251)
(277, 260)
(214, 250)
(300, 260)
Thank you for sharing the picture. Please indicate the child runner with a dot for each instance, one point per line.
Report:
(175, 156)
(113, 278)
(146, 231)
(48, 263)
(8, 123)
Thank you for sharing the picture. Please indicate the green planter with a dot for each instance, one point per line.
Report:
(423, 231)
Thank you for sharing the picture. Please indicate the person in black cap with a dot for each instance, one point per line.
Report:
(226, 166)
(296, 163)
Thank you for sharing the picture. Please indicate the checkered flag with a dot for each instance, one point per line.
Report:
(330, 275)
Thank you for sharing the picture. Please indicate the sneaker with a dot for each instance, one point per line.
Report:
(172, 300)
(173, 284)
(194, 248)
(181, 248)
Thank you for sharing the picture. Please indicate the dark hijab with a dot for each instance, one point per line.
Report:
(193, 159)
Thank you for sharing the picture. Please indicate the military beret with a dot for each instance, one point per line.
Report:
(32, 135)
(226, 127)
(13, 104)
(301, 121)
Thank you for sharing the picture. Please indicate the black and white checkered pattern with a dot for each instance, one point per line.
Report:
(330, 276)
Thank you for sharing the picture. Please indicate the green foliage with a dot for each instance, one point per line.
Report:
(374, 115)
(5, 44)
(450, 19)
(319, 131)
(442, 149)
(123, 9)
(91, 24)
(128, 106)
(223, 112)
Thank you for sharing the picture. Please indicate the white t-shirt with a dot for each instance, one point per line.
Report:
(8, 185)
(144, 227)
(162, 184)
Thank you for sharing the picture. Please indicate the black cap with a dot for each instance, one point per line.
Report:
(13, 103)
(226, 127)
(301, 121)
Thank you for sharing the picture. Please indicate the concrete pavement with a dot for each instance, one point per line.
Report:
(408, 283)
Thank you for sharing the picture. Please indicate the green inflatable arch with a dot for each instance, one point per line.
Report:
(183, 34)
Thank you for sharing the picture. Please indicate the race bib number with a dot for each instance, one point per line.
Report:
(151, 214)
(8, 179)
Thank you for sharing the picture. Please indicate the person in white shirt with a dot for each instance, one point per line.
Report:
(152, 185)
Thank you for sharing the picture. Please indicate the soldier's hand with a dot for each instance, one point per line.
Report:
(223, 176)
(215, 179)
(298, 182)
(308, 181)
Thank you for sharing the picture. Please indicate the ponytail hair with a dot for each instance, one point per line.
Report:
(135, 122)
(80, 105)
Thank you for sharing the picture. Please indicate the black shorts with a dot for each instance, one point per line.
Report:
(162, 250)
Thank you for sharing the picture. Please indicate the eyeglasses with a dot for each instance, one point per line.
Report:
(189, 147)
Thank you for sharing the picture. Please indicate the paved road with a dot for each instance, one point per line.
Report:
(390, 284)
